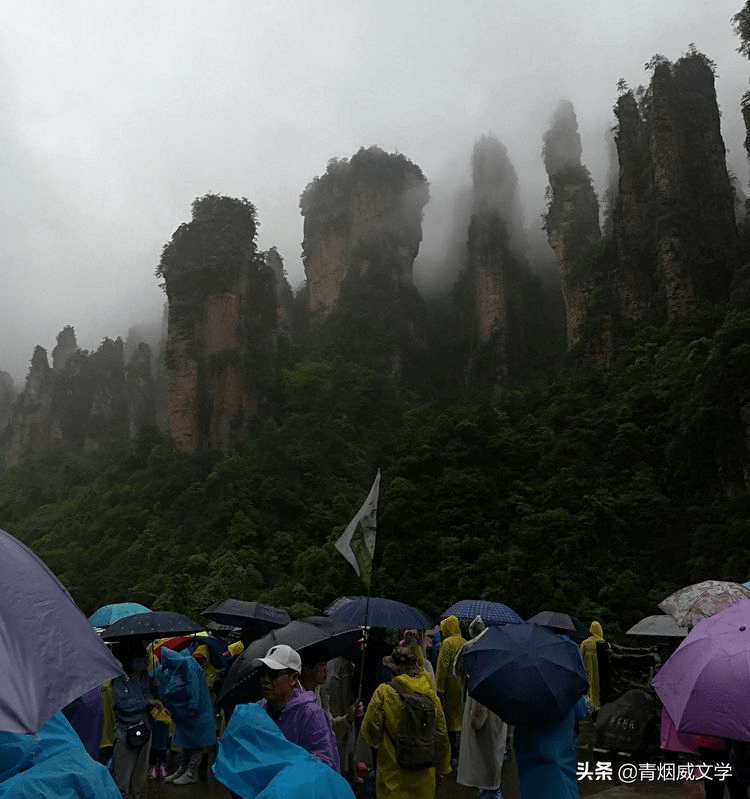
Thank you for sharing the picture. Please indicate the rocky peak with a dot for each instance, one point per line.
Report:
(572, 219)
(493, 264)
(223, 324)
(695, 229)
(65, 347)
(362, 231)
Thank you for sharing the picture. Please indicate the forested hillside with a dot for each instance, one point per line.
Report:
(597, 492)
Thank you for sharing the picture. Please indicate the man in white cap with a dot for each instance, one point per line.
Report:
(297, 712)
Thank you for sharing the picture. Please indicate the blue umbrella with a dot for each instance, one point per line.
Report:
(377, 611)
(524, 673)
(49, 652)
(108, 614)
(492, 613)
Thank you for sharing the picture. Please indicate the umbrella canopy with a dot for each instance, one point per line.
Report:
(107, 614)
(560, 623)
(659, 626)
(337, 636)
(377, 611)
(151, 625)
(49, 652)
(692, 603)
(492, 613)
(705, 684)
(238, 613)
(524, 673)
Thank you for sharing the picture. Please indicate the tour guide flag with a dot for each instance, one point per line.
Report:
(357, 542)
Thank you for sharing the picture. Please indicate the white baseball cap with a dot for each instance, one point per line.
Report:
(281, 657)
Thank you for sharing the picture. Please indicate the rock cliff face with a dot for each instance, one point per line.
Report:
(84, 401)
(673, 244)
(362, 231)
(696, 236)
(495, 243)
(572, 220)
(633, 277)
(223, 325)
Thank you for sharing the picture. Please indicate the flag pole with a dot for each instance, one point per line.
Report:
(361, 533)
(365, 636)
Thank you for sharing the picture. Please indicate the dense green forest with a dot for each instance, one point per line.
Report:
(596, 492)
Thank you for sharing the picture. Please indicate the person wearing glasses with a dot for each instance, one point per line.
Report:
(297, 712)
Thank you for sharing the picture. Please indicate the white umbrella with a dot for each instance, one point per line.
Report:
(659, 626)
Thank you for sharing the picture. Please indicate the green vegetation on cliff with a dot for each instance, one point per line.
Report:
(597, 492)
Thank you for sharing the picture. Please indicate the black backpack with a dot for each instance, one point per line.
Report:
(415, 743)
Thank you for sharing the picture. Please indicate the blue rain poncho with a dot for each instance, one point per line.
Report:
(184, 693)
(53, 762)
(256, 761)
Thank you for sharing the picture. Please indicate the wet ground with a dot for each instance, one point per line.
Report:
(642, 781)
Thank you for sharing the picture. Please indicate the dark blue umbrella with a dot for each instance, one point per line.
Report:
(377, 611)
(108, 614)
(151, 625)
(492, 613)
(49, 653)
(524, 673)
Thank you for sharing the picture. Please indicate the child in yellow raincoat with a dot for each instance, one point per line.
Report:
(380, 728)
(448, 684)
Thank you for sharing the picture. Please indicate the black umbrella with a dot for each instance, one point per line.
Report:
(239, 613)
(241, 682)
(155, 624)
(561, 623)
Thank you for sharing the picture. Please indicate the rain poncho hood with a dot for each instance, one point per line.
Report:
(596, 630)
(450, 626)
(184, 693)
(256, 761)
(52, 763)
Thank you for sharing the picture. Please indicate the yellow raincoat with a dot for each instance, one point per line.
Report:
(591, 662)
(447, 682)
(384, 714)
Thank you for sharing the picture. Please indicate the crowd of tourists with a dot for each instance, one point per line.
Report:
(389, 718)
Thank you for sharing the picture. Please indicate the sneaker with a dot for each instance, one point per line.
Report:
(161, 772)
(152, 773)
(174, 775)
(188, 778)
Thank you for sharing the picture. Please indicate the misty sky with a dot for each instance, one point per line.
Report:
(116, 116)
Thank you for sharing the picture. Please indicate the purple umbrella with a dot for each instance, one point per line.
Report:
(49, 652)
(705, 684)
